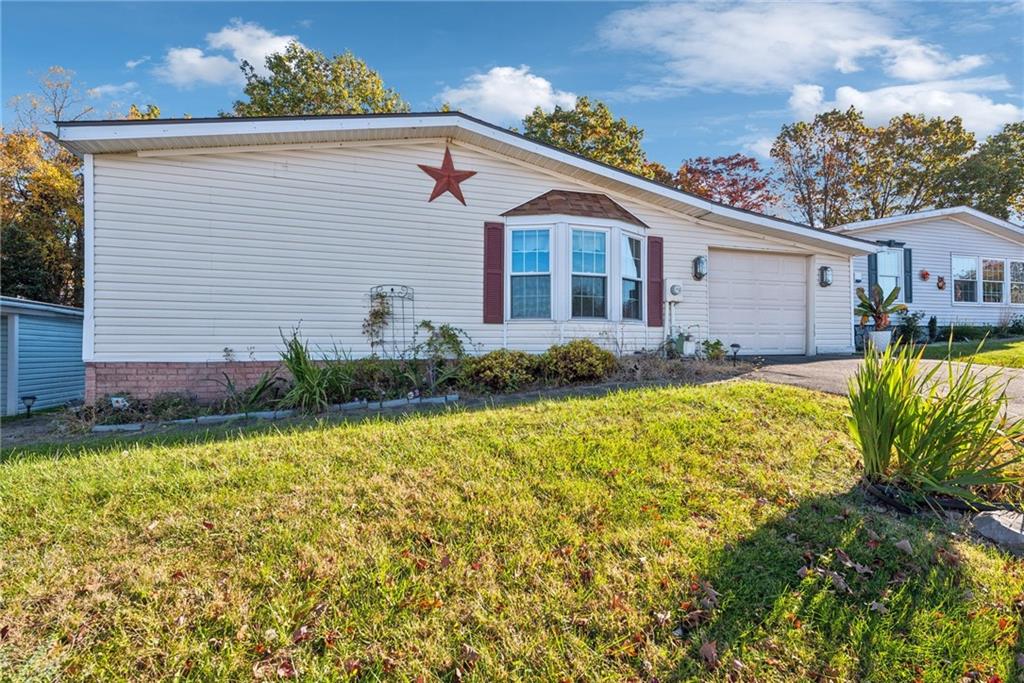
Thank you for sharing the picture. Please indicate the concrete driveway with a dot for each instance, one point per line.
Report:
(832, 373)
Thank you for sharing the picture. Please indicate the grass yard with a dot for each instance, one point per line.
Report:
(1008, 353)
(678, 534)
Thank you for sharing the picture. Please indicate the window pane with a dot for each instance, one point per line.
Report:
(992, 292)
(965, 290)
(1016, 271)
(890, 263)
(530, 251)
(588, 297)
(588, 251)
(631, 258)
(1017, 293)
(992, 269)
(531, 296)
(888, 283)
(631, 300)
(965, 268)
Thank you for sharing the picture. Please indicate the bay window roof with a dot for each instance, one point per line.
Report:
(571, 203)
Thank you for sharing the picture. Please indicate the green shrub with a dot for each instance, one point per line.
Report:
(502, 370)
(580, 360)
(375, 378)
(933, 329)
(909, 330)
(713, 349)
(174, 406)
(930, 435)
(310, 381)
(262, 394)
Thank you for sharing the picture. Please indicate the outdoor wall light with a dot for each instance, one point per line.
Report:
(825, 276)
(735, 352)
(28, 401)
(700, 267)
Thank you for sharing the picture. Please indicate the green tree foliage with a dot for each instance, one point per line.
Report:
(41, 197)
(816, 162)
(992, 179)
(906, 166)
(304, 82)
(836, 169)
(591, 130)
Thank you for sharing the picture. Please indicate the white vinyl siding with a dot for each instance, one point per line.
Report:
(198, 253)
(935, 245)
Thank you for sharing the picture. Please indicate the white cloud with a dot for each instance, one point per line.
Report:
(949, 98)
(113, 89)
(132, 63)
(759, 47)
(188, 66)
(505, 94)
(761, 147)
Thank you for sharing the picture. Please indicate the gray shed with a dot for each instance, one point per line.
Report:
(40, 354)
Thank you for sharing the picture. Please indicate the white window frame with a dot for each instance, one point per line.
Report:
(560, 229)
(510, 274)
(979, 281)
(1009, 281)
(899, 271)
(606, 274)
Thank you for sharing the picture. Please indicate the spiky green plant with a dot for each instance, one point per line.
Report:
(310, 382)
(934, 432)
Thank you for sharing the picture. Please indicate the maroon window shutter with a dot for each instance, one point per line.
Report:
(494, 273)
(655, 281)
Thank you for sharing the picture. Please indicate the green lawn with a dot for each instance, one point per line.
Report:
(591, 539)
(1006, 352)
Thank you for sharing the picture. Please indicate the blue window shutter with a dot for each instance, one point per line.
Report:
(872, 272)
(908, 276)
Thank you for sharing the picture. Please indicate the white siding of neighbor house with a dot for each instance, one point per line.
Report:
(933, 244)
(197, 253)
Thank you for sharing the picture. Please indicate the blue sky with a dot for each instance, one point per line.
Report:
(701, 79)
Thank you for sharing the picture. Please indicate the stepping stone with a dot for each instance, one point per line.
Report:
(1003, 527)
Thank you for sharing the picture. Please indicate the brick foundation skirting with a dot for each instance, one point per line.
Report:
(145, 380)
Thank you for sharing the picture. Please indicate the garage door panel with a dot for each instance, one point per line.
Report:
(758, 301)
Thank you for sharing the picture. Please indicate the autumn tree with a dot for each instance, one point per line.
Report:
(907, 165)
(590, 129)
(41, 196)
(135, 114)
(304, 82)
(816, 162)
(992, 179)
(737, 180)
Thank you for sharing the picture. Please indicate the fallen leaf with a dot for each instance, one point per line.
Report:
(847, 562)
(152, 525)
(301, 634)
(285, 669)
(838, 581)
(445, 562)
(791, 538)
(352, 666)
(469, 655)
(905, 546)
(709, 653)
(207, 524)
(950, 558)
(872, 536)
(878, 607)
(692, 620)
(662, 618)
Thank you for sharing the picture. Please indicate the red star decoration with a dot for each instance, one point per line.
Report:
(446, 178)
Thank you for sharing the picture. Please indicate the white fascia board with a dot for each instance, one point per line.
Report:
(89, 280)
(953, 212)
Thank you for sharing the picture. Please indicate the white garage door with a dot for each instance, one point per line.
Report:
(758, 301)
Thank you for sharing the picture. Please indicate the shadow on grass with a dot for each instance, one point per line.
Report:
(197, 434)
(824, 593)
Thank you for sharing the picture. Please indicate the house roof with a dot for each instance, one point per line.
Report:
(964, 214)
(570, 203)
(10, 304)
(183, 136)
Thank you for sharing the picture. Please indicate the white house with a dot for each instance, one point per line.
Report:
(205, 237)
(958, 264)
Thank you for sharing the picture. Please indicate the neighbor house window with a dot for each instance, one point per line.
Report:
(589, 268)
(632, 282)
(1017, 282)
(993, 272)
(531, 274)
(965, 279)
(890, 270)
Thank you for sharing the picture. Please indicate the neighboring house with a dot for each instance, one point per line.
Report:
(40, 354)
(959, 264)
(206, 237)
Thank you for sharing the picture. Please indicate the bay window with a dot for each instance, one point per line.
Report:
(574, 270)
(531, 274)
(589, 268)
